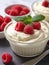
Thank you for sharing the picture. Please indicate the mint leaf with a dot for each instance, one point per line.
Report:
(28, 20)
(38, 18)
(20, 19)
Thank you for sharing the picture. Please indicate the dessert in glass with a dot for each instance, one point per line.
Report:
(41, 7)
(28, 37)
(3, 22)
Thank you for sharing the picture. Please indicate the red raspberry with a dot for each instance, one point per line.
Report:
(28, 29)
(45, 3)
(14, 12)
(7, 19)
(1, 19)
(37, 25)
(19, 26)
(8, 11)
(18, 7)
(3, 26)
(22, 13)
(25, 9)
(6, 57)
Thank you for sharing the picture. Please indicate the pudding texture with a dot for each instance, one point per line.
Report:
(27, 45)
(22, 37)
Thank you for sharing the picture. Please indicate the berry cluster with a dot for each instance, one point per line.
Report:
(45, 3)
(3, 22)
(17, 10)
(27, 29)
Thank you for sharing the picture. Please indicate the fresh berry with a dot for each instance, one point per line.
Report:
(6, 58)
(1, 20)
(18, 7)
(19, 26)
(14, 12)
(8, 11)
(28, 29)
(7, 19)
(37, 25)
(22, 13)
(2, 26)
(17, 10)
(45, 3)
(25, 9)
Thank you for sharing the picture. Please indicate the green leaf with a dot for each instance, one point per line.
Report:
(38, 18)
(20, 19)
(28, 20)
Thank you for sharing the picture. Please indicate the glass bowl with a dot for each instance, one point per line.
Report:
(16, 17)
(39, 9)
(26, 49)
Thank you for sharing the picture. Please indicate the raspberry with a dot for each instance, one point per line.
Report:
(6, 57)
(1, 19)
(7, 19)
(37, 25)
(25, 9)
(8, 11)
(14, 12)
(22, 13)
(19, 26)
(28, 29)
(18, 7)
(45, 3)
(3, 26)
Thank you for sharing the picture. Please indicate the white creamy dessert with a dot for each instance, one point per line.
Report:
(27, 45)
(22, 37)
(40, 9)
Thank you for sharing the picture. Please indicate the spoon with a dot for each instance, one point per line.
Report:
(37, 59)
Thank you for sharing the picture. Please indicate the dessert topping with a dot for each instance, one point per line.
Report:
(1, 19)
(14, 12)
(17, 10)
(3, 22)
(22, 13)
(28, 29)
(19, 26)
(25, 9)
(25, 25)
(7, 19)
(37, 25)
(45, 3)
(3, 25)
